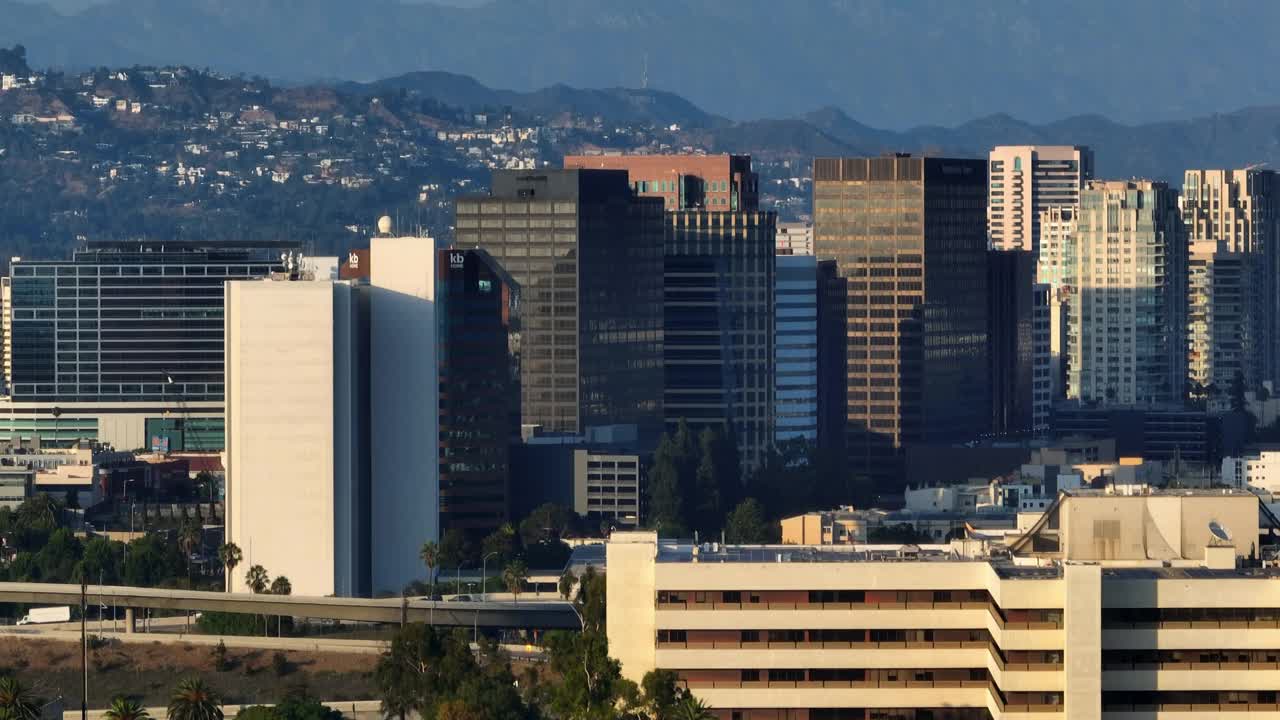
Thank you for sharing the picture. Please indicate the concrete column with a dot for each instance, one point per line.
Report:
(1082, 617)
(631, 587)
(130, 623)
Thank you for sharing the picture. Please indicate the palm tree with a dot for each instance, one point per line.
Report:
(190, 538)
(692, 708)
(281, 586)
(193, 700)
(122, 708)
(513, 576)
(430, 554)
(230, 556)
(16, 701)
(257, 580)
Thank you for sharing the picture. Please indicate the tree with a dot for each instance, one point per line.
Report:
(190, 538)
(500, 543)
(669, 477)
(430, 555)
(565, 586)
(16, 701)
(193, 700)
(257, 579)
(455, 549)
(746, 524)
(122, 708)
(230, 556)
(514, 577)
(692, 708)
(662, 693)
(425, 668)
(717, 481)
(281, 586)
(456, 710)
(548, 523)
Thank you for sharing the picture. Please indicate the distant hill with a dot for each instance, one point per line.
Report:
(616, 104)
(887, 62)
(1157, 150)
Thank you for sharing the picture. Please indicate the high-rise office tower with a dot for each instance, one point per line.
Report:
(1126, 339)
(719, 324)
(718, 292)
(587, 255)
(1238, 211)
(1018, 344)
(909, 234)
(479, 314)
(809, 402)
(1223, 296)
(334, 421)
(1025, 181)
(123, 343)
(684, 182)
(297, 360)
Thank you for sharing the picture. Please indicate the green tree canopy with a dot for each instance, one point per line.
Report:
(747, 524)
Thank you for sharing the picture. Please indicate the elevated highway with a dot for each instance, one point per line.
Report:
(514, 615)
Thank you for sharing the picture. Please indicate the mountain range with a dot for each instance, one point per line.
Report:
(889, 62)
(1160, 150)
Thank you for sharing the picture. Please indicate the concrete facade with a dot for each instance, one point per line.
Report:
(405, 420)
(1127, 317)
(1026, 180)
(816, 633)
(1239, 210)
(293, 444)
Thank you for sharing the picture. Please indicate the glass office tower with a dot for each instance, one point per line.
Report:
(127, 321)
(587, 255)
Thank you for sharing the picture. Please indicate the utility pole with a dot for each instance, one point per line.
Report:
(84, 649)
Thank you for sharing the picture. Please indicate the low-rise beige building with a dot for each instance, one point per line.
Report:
(1109, 607)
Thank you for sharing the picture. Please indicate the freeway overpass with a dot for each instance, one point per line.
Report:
(513, 615)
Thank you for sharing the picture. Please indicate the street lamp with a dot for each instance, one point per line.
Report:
(484, 575)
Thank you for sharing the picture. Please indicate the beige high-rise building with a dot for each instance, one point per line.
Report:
(1026, 180)
(1237, 212)
(1056, 267)
(1107, 608)
(1127, 312)
(1222, 325)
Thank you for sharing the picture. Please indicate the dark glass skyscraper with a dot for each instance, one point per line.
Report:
(587, 255)
(719, 325)
(909, 233)
(127, 321)
(478, 308)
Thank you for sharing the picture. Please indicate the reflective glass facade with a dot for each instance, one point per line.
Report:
(796, 398)
(588, 258)
(126, 321)
(719, 325)
(909, 234)
(478, 308)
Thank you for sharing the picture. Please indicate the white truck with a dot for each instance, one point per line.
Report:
(37, 616)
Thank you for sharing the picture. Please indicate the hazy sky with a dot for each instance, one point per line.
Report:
(74, 6)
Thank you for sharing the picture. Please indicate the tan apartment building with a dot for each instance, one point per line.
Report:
(1026, 180)
(1236, 215)
(1115, 608)
(1126, 320)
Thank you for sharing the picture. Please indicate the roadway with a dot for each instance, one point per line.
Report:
(542, 615)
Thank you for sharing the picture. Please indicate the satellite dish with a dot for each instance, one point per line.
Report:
(1219, 532)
